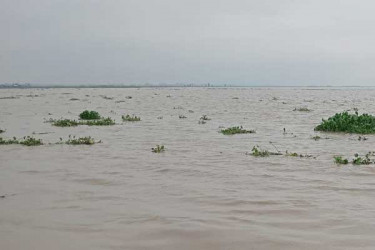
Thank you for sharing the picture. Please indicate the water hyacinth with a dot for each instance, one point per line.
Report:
(236, 130)
(129, 118)
(89, 115)
(27, 141)
(349, 123)
(158, 149)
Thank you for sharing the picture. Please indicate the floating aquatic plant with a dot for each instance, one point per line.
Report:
(340, 160)
(158, 149)
(129, 118)
(236, 130)
(88, 140)
(73, 123)
(27, 141)
(357, 160)
(204, 118)
(317, 137)
(362, 138)
(2, 131)
(297, 155)
(258, 152)
(182, 117)
(304, 109)
(64, 123)
(349, 123)
(102, 122)
(89, 115)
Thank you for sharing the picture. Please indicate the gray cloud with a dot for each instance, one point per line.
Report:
(242, 42)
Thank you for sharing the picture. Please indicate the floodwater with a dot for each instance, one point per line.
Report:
(204, 191)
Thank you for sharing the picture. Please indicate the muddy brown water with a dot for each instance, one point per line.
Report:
(203, 192)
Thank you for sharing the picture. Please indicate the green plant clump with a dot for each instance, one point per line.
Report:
(88, 140)
(65, 123)
(129, 118)
(73, 123)
(340, 160)
(256, 151)
(2, 131)
(349, 123)
(27, 141)
(89, 115)
(158, 149)
(102, 122)
(236, 130)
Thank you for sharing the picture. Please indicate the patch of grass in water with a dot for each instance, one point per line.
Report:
(182, 117)
(236, 130)
(2, 131)
(349, 123)
(89, 115)
(158, 149)
(129, 118)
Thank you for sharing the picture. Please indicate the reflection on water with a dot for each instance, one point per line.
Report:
(203, 192)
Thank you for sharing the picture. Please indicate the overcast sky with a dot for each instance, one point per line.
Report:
(239, 42)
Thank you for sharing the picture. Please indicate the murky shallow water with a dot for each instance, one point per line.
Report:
(204, 192)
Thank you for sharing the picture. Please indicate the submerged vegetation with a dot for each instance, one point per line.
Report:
(89, 115)
(236, 130)
(27, 141)
(129, 118)
(349, 123)
(158, 149)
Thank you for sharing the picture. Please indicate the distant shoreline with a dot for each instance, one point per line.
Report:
(168, 86)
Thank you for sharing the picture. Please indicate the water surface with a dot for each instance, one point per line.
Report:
(203, 192)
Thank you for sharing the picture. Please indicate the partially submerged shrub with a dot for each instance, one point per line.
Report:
(236, 130)
(129, 118)
(27, 141)
(349, 123)
(89, 115)
(158, 149)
